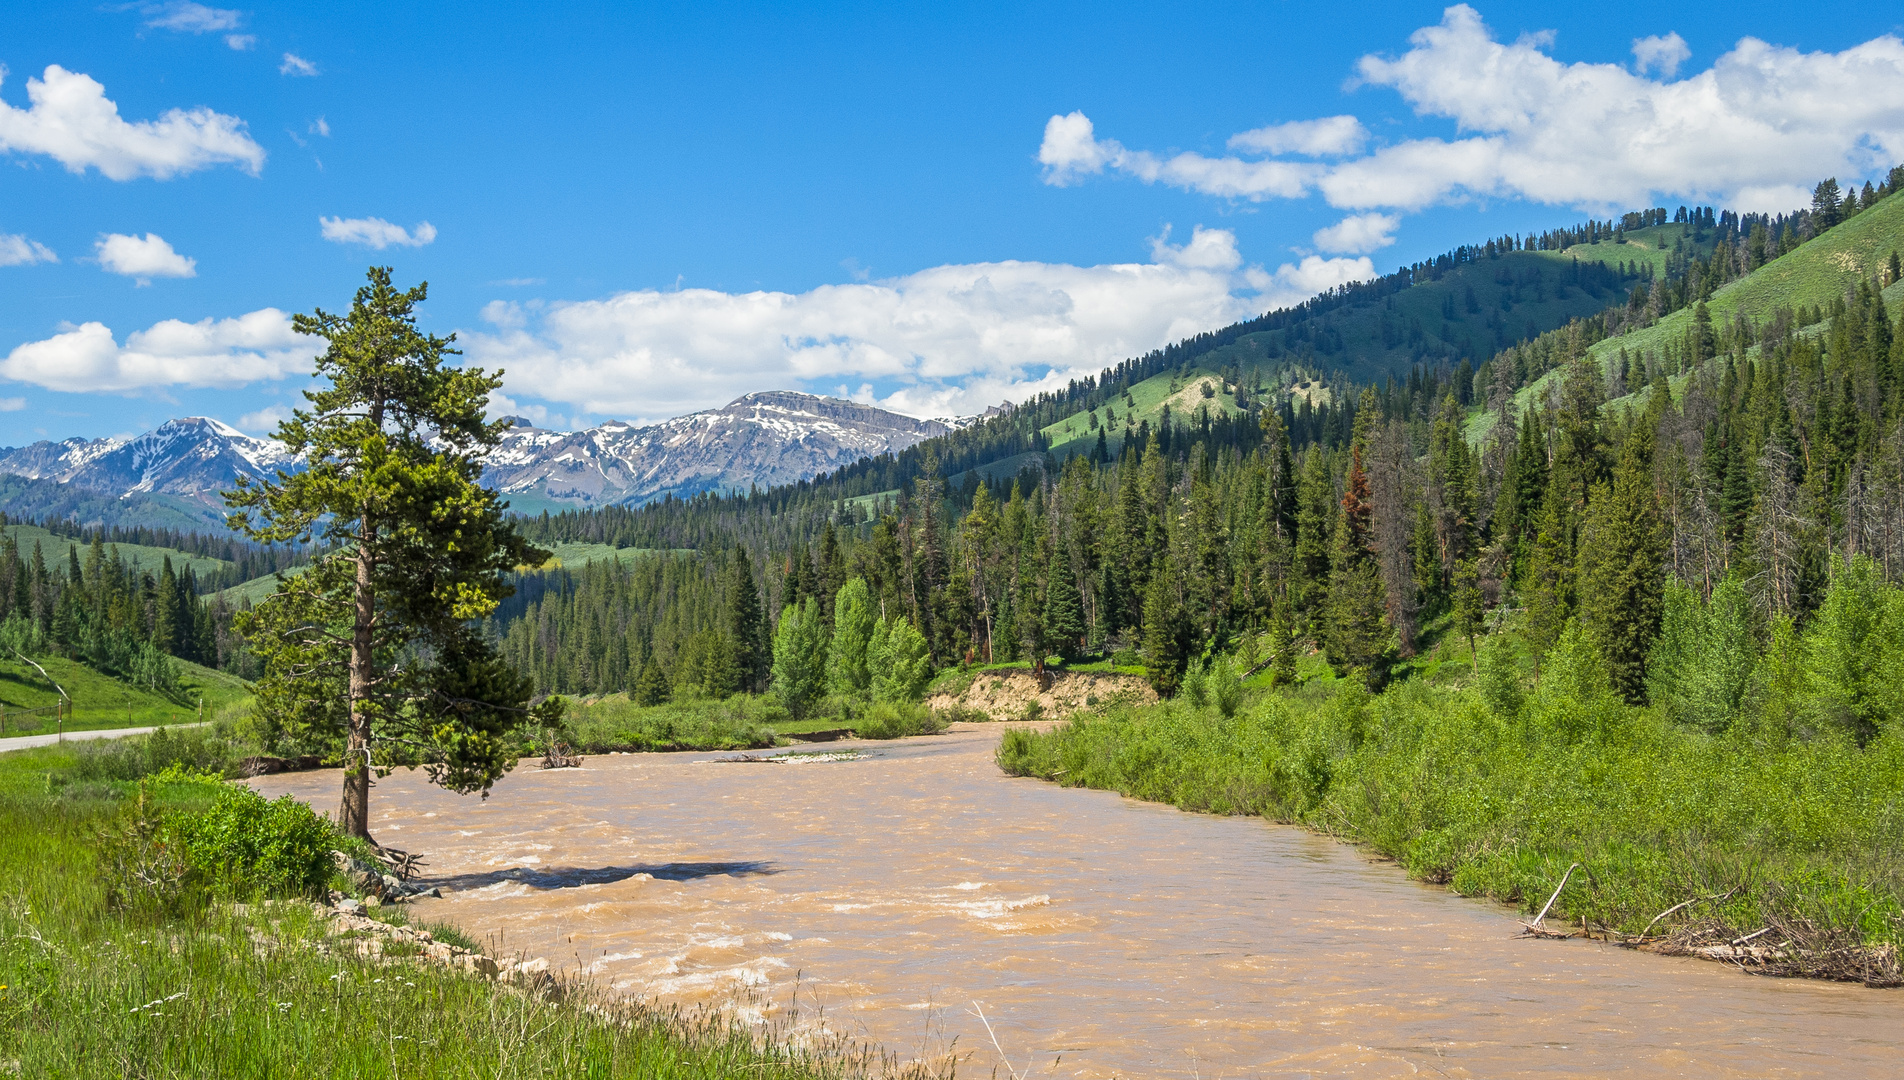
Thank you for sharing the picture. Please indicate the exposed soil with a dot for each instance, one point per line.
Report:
(1005, 695)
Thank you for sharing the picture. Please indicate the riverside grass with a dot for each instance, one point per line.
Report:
(87, 991)
(1497, 797)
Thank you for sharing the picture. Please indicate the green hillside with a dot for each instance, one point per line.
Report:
(100, 701)
(1470, 312)
(137, 556)
(1183, 394)
(1814, 274)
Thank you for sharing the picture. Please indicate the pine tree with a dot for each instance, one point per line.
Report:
(419, 552)
(1623, 568)
(745, 624)
(1063, 616)
(651, 687)
(1358, 633)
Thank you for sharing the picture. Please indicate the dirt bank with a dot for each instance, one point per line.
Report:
(1005, 695)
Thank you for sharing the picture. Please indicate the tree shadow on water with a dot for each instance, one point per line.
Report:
(568, 877)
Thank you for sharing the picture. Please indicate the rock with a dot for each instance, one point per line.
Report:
(477, 964)
(373, 901)
(349, 906)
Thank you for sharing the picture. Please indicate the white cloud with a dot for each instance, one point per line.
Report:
(1359, 233)
(265, 420)
(71, 120)
(17, 250)
(143, 258)
(296, 65)
(1661, 54)
(374, 232)
(191, 18)
(1330, 136)
(208, 353)
(946, 340)
(1753, 131)
(322, 127)
(1071, 151)
(241, 42)
(12, 404)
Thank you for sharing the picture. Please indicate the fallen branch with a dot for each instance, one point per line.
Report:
(1534, 929)
(1686, 904)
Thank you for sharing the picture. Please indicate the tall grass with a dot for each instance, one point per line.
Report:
(90, 990)
(1496, 795)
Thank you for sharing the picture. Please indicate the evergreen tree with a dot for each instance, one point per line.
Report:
(1357, 635)
(1623, 568)
(1063, 616)
(419, 551)
(651, 687)
(745, 624)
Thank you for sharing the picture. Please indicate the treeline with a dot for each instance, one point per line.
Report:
(102, 612)
(248, 560)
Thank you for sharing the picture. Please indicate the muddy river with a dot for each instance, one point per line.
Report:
(897, 896)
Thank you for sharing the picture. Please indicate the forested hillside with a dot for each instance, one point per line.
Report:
(1745, 451)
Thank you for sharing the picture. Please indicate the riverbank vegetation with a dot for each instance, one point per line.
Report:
(122, 950)
(1765, 785)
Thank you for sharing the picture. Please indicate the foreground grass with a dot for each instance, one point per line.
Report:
(1498, 799)
(89, 991)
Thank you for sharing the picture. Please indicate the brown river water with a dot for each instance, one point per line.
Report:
(901, 893)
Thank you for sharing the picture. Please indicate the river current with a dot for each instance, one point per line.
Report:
(897, 896)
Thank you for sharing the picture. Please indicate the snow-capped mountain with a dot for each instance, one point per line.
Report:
(195, 458)
(776, 437)
(761, 439)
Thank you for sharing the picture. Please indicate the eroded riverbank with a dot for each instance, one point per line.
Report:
(1108, 936)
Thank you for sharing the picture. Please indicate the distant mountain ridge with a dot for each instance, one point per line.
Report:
(193, 458)
(776, 437)
(766, 439)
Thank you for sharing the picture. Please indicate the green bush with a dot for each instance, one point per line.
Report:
(742, 722)
(244, 845)
(896, 720)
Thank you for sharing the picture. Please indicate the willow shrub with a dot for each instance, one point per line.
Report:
(1496, 791)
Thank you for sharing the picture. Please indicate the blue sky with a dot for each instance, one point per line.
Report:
(639, 211)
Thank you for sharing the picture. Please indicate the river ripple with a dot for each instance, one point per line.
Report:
(1101, 936)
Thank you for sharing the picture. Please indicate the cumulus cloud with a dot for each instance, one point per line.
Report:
(1359, 233)
(191, 18)
(946, 340)
(241, 42)
(1661, 54)
(143, 258)
(71, 120)
(1330, 136)
(17, 250)
(265, 420)
(374, 232)
(296, 65)
(1753, 130)
(1071, 151)
(208, 353)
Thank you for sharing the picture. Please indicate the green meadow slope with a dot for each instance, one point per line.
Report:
(137, 556)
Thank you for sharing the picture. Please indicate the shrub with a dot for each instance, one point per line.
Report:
(243, 844)
(897, 719)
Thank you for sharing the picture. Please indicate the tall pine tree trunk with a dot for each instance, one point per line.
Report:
(353, 814)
